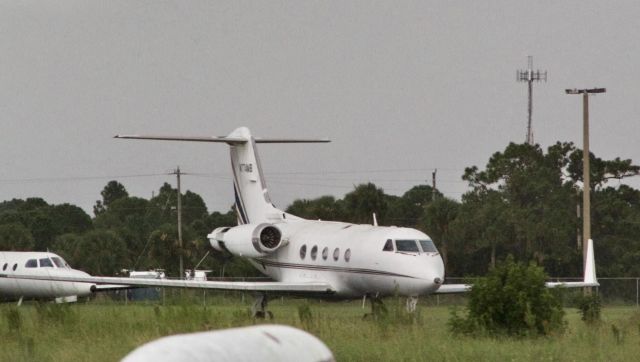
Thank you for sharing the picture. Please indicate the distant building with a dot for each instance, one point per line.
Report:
(140, 294)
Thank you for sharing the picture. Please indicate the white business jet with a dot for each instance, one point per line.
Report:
(46, 265)
(321, 258)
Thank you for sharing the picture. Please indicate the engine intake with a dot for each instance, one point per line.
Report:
(270, 237)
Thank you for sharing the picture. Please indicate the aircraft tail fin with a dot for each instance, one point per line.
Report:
(253, 204)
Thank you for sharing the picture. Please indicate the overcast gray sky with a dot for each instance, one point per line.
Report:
(401, 88)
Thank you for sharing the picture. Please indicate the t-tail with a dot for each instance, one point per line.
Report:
(253, 204)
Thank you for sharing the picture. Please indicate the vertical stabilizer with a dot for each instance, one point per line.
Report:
(252, 199)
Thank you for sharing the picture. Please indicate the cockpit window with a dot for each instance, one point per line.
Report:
(31, 263)
(428, 246)
(408, 246)
(388, 246)
(46, 263)
(59, 262)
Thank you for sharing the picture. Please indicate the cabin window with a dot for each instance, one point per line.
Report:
(46, 263)
(336, 254)
(314, 252)
(5, 266)
(407, 246)
(58, 262)
(388, 246)
(325, 253)
(428, 246)
(347, 255)
(303, 251)
(15, 266)
(31, 263)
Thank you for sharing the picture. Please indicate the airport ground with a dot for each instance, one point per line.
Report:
(106, 330)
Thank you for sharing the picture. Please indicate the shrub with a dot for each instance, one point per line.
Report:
(14, 319)
(512, 300)
(589, 306)
(55, 313)
(305, 315)
(618, 334)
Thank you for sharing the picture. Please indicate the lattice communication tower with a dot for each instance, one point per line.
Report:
(529, 75)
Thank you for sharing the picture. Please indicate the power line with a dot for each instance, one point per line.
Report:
(76, 178)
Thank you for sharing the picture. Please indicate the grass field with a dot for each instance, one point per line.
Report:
(103, 330)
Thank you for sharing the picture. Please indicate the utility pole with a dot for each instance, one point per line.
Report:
(529, 76)
(433, 184)
(586, 173)
(178, 173)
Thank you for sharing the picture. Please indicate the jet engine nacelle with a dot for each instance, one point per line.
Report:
(248, 240)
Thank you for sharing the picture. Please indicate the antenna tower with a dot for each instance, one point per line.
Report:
(529, 75)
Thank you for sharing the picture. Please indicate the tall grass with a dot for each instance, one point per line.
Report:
(107, 330)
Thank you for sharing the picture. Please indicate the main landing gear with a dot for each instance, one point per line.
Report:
(259, 308)
(378, 309)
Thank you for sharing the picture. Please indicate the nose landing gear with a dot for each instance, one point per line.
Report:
(412, 304)
(259, 308)
(378, 309)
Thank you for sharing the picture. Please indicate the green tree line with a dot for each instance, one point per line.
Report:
(524, 202)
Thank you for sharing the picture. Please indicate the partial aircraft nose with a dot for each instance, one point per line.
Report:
(431, 272)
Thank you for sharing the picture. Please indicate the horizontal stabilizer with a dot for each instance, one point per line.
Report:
(186, 138)
(230, 140)
(292, 140)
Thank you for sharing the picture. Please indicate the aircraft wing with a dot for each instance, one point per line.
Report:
(571, 284)
(589, 280)
(453, 288)
(111, 282)
(465, 288)
(107, 287)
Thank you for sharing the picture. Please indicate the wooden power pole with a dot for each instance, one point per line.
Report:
(178, 173)
(586, 173)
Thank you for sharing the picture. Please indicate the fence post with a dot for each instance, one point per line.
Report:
(637, 292)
